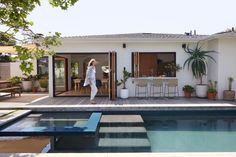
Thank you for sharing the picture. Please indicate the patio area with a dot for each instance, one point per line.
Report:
(130, 101)
(130, 104)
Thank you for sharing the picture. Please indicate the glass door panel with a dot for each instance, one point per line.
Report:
(60, 65)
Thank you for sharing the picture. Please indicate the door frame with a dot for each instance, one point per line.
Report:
(74, 53)
(66, 74)
(113, 75)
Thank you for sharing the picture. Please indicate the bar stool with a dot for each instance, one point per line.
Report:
(141, 84)
(171, 87)
(156, 84)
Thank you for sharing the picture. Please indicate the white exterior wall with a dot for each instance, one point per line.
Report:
(124, 56)
(224, 67)
(227, 64)
(213, 67)
(12, 69)
(15, 69)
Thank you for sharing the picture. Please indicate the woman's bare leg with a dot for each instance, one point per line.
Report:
(93, 92)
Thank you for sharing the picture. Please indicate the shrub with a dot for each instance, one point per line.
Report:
(188, 88)
(43, 83)
(15, 80)
(212, 86)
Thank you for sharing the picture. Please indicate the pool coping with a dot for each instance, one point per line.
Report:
(192, 154)
(125, 107)
(15, 115)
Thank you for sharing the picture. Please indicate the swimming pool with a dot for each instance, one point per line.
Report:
(53, 124)
(169, 131)
(205, 133)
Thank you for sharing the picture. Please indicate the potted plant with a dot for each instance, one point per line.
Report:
(27, 83)
(171, 69)
(43, 84)
(197, 61)
(188, 90)
(229, 94)
(15, 81)
(35, 83)
(212, 91)
(124, 92)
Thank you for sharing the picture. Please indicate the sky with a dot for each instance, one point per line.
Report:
(91, 17)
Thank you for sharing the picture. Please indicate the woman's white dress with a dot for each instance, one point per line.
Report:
(90, 79)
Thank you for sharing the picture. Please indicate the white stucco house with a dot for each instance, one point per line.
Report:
(67, 67)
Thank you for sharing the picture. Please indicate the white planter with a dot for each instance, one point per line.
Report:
(201, 90)
(124, 93)
(27, 85)
(43, 89)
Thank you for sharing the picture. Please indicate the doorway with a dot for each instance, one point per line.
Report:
(70, 71)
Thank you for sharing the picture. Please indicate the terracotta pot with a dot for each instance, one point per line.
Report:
(187, 94)
(229, 95)
(34, 89)
(211, 96)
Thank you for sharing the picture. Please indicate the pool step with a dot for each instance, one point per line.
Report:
(122, 130)
(123, 133)
(125, 144)
(113, 132)
(121, 120)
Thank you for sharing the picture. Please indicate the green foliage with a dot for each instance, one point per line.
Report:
(172, 67)
(14, 13)
(26, 55)
(28, 78)
(212, 86)
(43, 83)
(14, 18)
(15, 80)
(197, 61)
(126, 76)
(63, 4)
(6, 39)
(6, 58)
(188, 88)
(230, 79)
(74, 69)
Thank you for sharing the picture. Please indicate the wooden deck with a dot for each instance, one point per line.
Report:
(105, 100)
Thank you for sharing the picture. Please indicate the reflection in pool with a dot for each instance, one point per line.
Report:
(50, 120)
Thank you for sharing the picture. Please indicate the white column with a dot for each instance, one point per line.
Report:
(50, 76)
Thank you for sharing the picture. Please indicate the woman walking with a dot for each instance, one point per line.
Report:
(90, 79)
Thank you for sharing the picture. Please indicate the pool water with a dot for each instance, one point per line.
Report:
(133, 132)
(36, 121)
(192, 134)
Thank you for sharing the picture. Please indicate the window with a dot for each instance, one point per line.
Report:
(153, 64)
(42, 66)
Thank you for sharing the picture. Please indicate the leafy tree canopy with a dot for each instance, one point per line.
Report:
(13, 20)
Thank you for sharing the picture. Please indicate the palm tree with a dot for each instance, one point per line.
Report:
(197, 61)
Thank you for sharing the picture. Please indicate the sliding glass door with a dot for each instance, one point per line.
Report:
(60, 74)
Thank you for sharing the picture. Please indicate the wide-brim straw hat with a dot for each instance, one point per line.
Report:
(92, 60)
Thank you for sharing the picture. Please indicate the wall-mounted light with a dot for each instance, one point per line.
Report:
(183, 46)
(124, 45)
